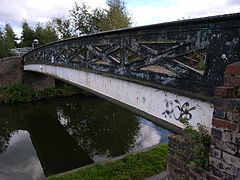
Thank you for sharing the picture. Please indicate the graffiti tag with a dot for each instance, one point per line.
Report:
(178, 111)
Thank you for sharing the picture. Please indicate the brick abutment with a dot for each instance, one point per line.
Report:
(224, 154)
(11, 72)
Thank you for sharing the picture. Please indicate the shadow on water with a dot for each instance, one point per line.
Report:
(60, 135)
(57, 150)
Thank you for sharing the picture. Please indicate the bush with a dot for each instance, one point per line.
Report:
(18, 93)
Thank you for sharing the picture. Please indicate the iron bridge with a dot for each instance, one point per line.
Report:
(186, 55)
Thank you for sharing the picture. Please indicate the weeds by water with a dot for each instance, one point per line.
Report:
(18, 93)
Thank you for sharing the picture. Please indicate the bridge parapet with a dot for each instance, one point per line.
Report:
(188, 55)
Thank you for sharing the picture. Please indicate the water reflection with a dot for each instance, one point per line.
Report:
(57, 150)
(100, 127)
(55, 136)
(20, 161)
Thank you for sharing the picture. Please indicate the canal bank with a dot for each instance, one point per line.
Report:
(144, 164)
(18, 93)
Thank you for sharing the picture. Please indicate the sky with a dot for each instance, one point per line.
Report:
(143, 12)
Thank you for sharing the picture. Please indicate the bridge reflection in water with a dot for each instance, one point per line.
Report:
(68, 133)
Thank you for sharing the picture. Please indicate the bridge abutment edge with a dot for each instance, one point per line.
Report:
(11, 71)
(37, 81)
(224, 154)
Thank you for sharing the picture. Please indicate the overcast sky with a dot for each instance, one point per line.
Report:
(143, 12)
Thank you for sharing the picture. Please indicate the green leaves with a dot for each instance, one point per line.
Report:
(199, 140)
(82, 20)
(44, 34)
(18, 93)
(117, 16)
(7, 41)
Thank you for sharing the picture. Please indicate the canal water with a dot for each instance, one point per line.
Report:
(48, 137)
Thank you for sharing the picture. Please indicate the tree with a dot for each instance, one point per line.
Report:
(86, 21)
(39, 34)
(98, 19)
(2, 44)
(45, 34)
(7, 41)
(117, 16)
(10, 37)
(50, 34)
(27, 35)
(82, 20)
(63, 27)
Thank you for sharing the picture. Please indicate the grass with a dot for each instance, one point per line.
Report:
(18, 93)
(135, 166)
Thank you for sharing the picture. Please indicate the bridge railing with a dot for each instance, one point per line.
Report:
(187, 55)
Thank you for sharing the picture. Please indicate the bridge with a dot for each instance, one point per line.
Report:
(165, 72)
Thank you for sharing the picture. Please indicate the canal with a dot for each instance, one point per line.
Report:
(49, 137)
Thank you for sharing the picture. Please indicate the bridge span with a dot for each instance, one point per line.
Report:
(165, 72)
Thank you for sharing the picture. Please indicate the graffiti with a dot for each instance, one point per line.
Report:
(176, 110)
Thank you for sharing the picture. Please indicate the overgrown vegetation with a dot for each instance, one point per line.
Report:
(138, 166)
(199, 145)
(199, 140)
(18, 93)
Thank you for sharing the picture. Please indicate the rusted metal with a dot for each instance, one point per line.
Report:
(172, 47)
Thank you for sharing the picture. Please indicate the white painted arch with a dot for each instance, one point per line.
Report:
(157, 105)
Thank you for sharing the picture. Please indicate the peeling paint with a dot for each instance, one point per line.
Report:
(126, 52)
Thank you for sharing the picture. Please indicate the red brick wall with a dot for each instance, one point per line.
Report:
(231, 86)
(225, 146)
(225, 149)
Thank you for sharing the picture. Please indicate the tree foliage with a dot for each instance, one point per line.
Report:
(62, 26)
(82, 20)
(117, 16)
(45, 34)
(7, 41)
(27, 35)
(10, 36)
(2, 44)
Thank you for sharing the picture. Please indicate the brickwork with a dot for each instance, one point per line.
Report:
(10, 71)
(225, 156)
(37, 81)
(231, 86)
(178, 160)
(225, 146)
